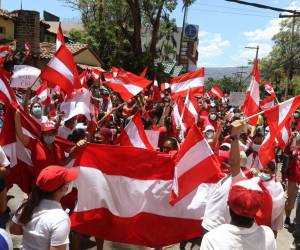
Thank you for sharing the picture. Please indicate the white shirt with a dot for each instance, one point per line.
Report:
(230, 237)
(4, 162)
(64, 132)
(278, 201)
(49, 226)
(41, 120)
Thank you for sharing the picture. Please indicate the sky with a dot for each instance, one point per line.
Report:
(225, 28)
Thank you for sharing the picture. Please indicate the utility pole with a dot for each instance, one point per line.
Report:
(291, 54)
(240, 73)
(182, 31)
(256, 48)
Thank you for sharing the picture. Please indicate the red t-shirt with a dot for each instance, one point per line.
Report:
(42, 156)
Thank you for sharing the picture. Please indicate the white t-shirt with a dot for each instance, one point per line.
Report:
(41, 120)
(49, 226)
(4, 162)
(230, 237)
(278, 201)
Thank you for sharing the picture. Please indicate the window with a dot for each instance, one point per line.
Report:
(2, 30)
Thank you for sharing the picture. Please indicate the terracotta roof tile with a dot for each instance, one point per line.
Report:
(6, 14)
(48, 49)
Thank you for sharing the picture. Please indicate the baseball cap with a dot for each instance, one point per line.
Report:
(52, 177)
(48, 126)
(245, 197)
(208, 127)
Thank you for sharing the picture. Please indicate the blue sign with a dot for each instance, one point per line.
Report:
(190, 32)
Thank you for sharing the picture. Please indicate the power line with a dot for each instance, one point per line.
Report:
(226, 7)
(233, 13)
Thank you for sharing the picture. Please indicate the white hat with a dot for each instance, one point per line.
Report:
(208, 127)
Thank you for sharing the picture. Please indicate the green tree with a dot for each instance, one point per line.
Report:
(274, 67)
(115, 29)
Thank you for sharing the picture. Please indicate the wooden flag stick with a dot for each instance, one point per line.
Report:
(252, 116)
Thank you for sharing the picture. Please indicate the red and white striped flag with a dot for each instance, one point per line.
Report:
(251, 104)
(126, 84)
(269, 88)
(193, 80)
(43, 94)
(164, 86)
(277, 117)
(268, 102)
(193, 168)
(284, 135)
(177, 121)
(217, 92)
(114, 71)
(137, 184)
(7, 95)
(134, 134)
(190, 111)
(60, 39)
(61, 70)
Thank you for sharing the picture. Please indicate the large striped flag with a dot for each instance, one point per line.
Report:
(128, 198)
(251, 104)
(126, 84)
(192, 81)
(134, 134)
(277, 118)
(60, 39)
(217, 92)
(196, 163)
(61, 70)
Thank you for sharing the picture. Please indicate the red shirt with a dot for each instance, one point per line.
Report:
(42, 156)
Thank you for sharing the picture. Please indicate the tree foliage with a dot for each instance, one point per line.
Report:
(118, 29)
(275, 66)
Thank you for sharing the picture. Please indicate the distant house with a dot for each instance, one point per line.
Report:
(25, 26)
(7, 24)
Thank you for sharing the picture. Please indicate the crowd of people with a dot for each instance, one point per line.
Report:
(246, 210)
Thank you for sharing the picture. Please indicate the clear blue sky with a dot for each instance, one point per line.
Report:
(225, 28)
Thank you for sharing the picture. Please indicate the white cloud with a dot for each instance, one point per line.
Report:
(264, 34)
(249, 54)
(210, 47)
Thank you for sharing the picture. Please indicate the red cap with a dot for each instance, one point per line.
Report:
(245, 197)
(52, 177)
(48, 126)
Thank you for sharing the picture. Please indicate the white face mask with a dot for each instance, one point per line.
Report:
(264, 176)
(213, 117)
(255, 147)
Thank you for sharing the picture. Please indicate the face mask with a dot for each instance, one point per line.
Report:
(213, 117)
(209, 134)
(1, 123)
(37, 111)
(49, 139)
(255, 147)
(264, 176)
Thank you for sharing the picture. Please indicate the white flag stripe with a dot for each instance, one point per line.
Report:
(58, 44)
(197, 153)
(192, 109)
(4, 89)
(128, 197)
(254, 91)
(285, 135)
(60, 67)
(133, 135)
(185, 85)
(284, 109)
(133, 89)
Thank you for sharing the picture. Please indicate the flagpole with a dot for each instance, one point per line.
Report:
(252, 116)
(35, 81)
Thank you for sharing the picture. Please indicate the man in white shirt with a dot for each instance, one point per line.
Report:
(4, 170)
(245, 199)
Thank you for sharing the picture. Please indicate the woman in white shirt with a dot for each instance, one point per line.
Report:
(41, 219)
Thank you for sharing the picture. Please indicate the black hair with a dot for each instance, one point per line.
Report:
(77, 135)
(26, 210)
(239, 220)
(32, 104)
(173, 141)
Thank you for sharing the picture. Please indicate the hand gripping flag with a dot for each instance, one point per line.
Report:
(251, 104)
(193, 80)
(134, 134)
(195, 164)
(61, 70)
(129, 190)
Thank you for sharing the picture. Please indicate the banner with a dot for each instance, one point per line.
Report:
(24, 76)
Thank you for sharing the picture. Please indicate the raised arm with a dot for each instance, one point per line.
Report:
(22, 137)
(234, 157)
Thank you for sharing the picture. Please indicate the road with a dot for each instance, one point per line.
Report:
(283, 241)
